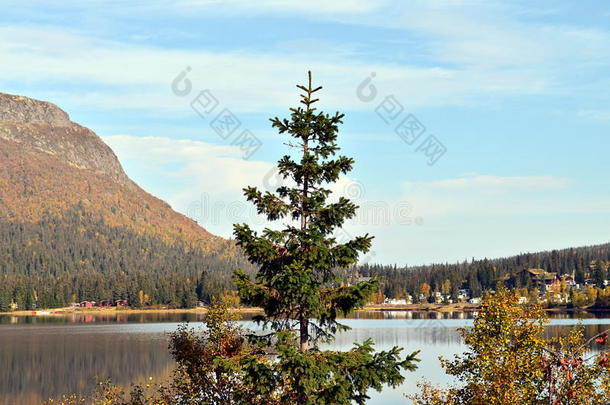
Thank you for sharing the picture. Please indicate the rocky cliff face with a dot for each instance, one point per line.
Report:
(49, 164)
(30, 111)
(45, 127)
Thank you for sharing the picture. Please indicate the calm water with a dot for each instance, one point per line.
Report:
(42, 357)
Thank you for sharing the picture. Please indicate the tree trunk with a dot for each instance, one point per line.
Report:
(304, 323)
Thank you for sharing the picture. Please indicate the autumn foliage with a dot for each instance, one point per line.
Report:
(509, 361)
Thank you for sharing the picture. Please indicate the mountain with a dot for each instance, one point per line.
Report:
(49, 164)
(69, 212)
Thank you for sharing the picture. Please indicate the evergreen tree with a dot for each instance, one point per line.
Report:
(5, 300)
(189, 298)
(297, 282)
(523, 279)
(29, 302)
(474, 286)
(579, 276)
(200, 288)
(599, 273)
(295, 279)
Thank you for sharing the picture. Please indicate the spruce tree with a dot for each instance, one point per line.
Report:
(297, 282)
(5, 300)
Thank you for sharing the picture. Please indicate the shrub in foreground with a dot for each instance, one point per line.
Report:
(509, 361)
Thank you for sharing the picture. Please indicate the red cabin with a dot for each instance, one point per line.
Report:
(121, 303)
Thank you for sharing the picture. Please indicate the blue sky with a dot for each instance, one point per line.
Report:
(518, 94)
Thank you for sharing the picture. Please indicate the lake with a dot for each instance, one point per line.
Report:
(42, 357)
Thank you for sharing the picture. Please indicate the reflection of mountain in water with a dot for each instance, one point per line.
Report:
(47, 362)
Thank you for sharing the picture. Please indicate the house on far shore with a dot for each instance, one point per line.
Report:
(542, 278)
(395, 301)
(539, 278)
(122, 303)
(87, 304)
(569, 280)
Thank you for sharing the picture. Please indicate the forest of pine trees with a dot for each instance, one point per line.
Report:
(77, 257)
(480, 275)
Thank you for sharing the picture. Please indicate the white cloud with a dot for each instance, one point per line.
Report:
(474, 52)
(220, 169)
(595, 114)
(203, 180)
(485, 62)
(199, 179)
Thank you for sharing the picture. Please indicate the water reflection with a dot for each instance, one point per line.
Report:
(43, 357)
(41, 362)
(177, 317)
(85, 318)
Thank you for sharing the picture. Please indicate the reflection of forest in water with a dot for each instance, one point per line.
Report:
(178, 317)
(88, 318)
(42, 357)
(590, 330)
(36, 364)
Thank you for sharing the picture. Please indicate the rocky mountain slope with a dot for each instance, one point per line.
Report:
(49, 164)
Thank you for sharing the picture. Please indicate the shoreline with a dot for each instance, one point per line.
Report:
(461, 307)
(244, 310)
(119, 311)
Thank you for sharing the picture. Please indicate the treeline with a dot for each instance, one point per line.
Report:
(78, 257)
(481, 275)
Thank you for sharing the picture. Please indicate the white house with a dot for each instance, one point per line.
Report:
(398, 301)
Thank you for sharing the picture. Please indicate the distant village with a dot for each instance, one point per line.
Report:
(101, 304)
(532, 285)
(85, 304)
(104, 303)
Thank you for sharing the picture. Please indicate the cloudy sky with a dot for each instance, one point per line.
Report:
(479, 128)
